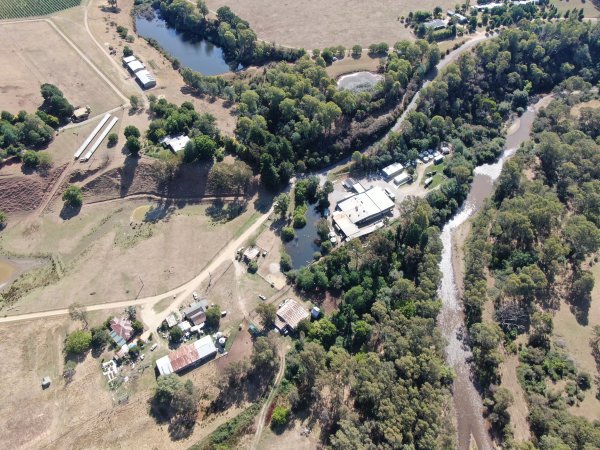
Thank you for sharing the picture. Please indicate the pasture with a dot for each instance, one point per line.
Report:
(17, 9)
(313, 24)
(26, 65)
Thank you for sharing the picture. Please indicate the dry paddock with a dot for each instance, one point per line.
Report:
(34, 53)
(316, 24)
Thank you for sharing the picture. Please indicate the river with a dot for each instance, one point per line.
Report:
(467, 401)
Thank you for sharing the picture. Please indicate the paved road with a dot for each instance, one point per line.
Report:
(181, 294)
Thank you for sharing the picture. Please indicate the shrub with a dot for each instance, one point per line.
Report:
(285, 262)
(2, 219)
(73, 196)
(175, 334)
(30, 159)
(213, 317)
(253, 267)
(133, 145)
(113, 138)
(44, 161)
(287, 234)
(280, 417)
(78, 342)
(127, 51)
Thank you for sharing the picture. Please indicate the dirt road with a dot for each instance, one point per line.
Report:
(265, 408)
(180, 294)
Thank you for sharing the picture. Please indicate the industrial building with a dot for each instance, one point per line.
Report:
(355, 215)
(145, 79)
(187, 356)
(392, 170)
(290, 315)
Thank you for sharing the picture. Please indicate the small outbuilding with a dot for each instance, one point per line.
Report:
(196, 312)
(128, 59)
(135, 66)
(46, 382)
(392, 170)
(251, 253)
(438, 159)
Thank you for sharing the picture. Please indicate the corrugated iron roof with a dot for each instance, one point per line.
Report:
(183, 357)
(292, 313)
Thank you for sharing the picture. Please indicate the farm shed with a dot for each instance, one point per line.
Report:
(187, 356)
(289, 315)
(392, 170)
(135, 66)
(251, 253)
(435, 24)
(128, 59)
(146, 79)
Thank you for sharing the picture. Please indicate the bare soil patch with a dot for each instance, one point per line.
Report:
(27, 63)
(350, 65)
(23, 193)
(315, 24)
(518, 410)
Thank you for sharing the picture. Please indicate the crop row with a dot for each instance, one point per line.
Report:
(15, 9)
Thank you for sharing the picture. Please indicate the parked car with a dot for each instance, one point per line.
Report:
(262, 297)
(153, 347)
(195, 295)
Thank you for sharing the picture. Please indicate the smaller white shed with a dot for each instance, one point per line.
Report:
(135, 66)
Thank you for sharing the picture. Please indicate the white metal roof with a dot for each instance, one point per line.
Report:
(176, 143)
(364, 206)
(205, 347)
(135, 66)
(128, 59)
(392, 169)
(402, 178)
(164, 365)
(145, 77)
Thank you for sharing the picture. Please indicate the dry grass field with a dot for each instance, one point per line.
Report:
(317, 24)
(33, 53)
(103, 258)
(589, 9)
(576, 340)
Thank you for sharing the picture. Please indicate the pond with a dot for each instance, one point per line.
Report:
(303, 247)
(359, 81)
(198, 55)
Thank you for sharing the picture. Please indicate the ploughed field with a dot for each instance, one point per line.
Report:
(15, 9)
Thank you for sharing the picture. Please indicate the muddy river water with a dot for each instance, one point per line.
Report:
(467, 401)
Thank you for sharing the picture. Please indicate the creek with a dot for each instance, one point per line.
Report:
(467, 401)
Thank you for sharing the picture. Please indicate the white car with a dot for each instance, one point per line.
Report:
(262, 297)
(195, 295)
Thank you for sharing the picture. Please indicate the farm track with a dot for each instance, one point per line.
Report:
(263, 413)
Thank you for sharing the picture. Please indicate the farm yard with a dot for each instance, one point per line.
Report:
(17, 9)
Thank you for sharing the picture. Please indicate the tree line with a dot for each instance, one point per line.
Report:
(228, 31)
(534, 237)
